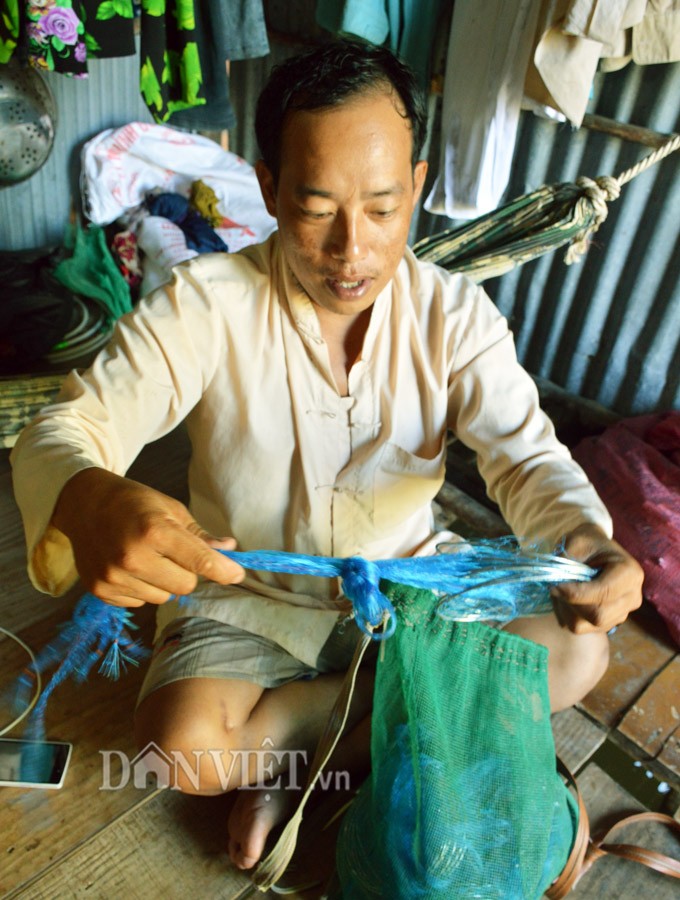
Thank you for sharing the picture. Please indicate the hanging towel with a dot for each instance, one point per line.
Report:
(489, 49)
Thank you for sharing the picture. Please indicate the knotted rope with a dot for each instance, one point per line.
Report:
(591, 207)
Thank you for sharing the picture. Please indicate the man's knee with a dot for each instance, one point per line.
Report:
(575, 667)
(594, 657)
(576, 662)
(206, 751)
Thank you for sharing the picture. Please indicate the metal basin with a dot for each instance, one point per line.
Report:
(28, 116)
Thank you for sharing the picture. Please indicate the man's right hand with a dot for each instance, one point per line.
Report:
(134, 545)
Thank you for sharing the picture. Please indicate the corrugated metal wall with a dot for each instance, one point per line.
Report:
(33, 213)
(607, 328)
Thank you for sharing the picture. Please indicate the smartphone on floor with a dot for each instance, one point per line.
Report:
(33, 764)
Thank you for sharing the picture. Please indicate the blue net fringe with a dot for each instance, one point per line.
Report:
(472, 581)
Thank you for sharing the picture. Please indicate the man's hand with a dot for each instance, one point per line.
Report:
(134, 545)
(606, 601)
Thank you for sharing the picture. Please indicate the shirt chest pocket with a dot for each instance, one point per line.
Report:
(404, 483)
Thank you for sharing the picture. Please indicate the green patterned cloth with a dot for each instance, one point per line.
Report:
(62, 35)
(170, 77)
(9, 29)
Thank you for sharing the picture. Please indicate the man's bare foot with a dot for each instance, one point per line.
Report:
(252, 817)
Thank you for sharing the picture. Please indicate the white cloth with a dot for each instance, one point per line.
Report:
(572, 36)
(280, 460)
(489, 48)
(165, 246)
(120, 166)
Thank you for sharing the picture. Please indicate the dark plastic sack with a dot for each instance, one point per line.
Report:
(464, 799)
(635, 467)
(35, 312)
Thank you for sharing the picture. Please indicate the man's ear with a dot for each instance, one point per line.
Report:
(419, 173)
(267, 187)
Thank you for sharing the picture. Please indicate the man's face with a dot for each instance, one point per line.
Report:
(344, 199)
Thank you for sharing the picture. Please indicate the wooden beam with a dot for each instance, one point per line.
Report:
(635, 133)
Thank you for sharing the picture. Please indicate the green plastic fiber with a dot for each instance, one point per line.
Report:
(464, 799)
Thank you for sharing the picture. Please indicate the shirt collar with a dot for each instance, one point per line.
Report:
(304, 315)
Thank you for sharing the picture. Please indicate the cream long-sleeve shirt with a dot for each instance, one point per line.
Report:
(279, 459)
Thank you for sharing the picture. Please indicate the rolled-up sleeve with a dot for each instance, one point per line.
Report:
(139, 388)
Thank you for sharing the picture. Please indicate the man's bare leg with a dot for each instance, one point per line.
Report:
(256, 812)
(576, 662)
(233, 717)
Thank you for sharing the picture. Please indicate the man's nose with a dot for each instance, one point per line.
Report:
(349, 239)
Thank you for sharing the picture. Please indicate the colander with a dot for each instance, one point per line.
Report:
(28, 116)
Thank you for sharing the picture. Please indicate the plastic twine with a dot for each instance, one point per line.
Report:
(472, 581)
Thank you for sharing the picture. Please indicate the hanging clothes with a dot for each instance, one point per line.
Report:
(9, 29)
(571, 37)
(225, 30)
(60, 37)
(540, 55)
(170, 73)
(656, 38)
(574, 37)
(489, 49)
(408, 26)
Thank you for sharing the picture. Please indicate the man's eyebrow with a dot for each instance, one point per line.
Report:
(309, 191)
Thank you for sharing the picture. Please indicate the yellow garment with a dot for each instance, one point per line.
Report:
(204, 200)
(280, 459)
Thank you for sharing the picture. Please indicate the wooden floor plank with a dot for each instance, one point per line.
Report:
(655, 715)
(670, 754)
(611, 877)
(37, 826)
(171, 846)
(636, 655)
(576, 737)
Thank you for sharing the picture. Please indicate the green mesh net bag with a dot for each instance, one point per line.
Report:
(464, 800)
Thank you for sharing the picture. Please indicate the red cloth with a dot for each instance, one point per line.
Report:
(635, 467)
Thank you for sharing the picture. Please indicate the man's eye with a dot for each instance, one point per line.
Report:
(312, 214)
(384, 213)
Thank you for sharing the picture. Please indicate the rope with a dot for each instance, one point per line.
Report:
(664, 150)
(591, 207)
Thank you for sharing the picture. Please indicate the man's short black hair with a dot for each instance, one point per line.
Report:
(326, 76)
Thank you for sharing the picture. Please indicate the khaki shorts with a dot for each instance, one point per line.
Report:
(196, 647)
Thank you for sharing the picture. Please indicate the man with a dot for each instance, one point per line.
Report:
(317, 374)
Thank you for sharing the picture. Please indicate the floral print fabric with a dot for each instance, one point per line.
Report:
(60, 38)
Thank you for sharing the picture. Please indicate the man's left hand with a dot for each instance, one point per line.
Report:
(606, 601)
